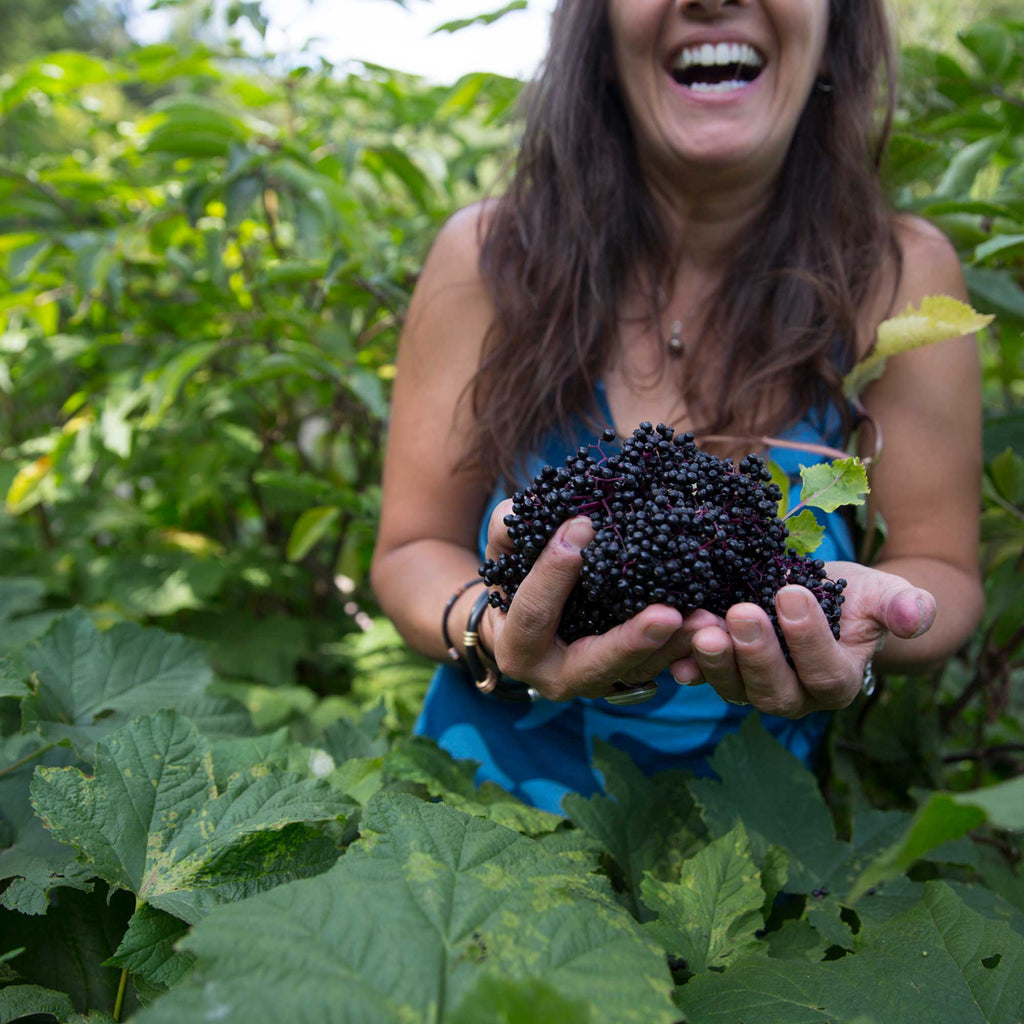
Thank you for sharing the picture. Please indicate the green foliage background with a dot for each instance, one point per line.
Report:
(204, 264)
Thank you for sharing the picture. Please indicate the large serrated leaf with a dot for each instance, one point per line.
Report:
(419, 759)
(89, 681)
(710, 916)
(401, 928)
(18, 1001)
(147, 948)
(66, 948)
(495, 1000)
(34, 862)
(648, 825)
(767, 788)
(939, 961)
(151, 821)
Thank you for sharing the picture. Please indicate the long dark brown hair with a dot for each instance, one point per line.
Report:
(577, 220)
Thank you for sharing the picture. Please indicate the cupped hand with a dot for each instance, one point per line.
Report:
(526, 644)
(745, 664)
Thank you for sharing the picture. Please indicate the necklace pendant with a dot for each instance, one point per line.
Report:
(675, 339)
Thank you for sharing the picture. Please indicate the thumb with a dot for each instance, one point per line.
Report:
(537, 606)
(909, 612)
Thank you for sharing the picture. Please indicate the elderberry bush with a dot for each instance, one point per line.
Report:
(673, 525)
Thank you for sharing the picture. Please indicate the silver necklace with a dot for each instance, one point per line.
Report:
(675, 339)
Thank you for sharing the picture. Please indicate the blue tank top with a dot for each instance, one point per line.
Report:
(541, 751)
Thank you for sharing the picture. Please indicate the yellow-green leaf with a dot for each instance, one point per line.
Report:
(24, 490)
(939, 318)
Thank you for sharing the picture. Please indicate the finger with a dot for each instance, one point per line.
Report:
(536, 609)
(686, 672)
(678, 648)
(771, 685)
(827, 673)
(498, 540)
(594, 663)
(909, 612)
(716, 662)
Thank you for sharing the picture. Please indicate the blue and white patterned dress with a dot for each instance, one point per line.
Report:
(541, 751)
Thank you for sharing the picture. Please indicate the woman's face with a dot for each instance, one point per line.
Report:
(716, 85)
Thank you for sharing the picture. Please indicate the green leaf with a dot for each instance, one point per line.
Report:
(939, 961)
(17, 1001)
(997, 289)
(311, 527)
(805, 532)
(89, 681)
(942, 818)
(401, 928)
(1007, 472)
(184, 847)
(147, 949)
(646, 824)
(997, 244)
(829, 485)
(710, 916)
(481, 19)
(780, 804)
(781, 479)
(65, 949)
(169, 381)
(965, 167)
(419, 759)
(990, 43)
(497, 1000)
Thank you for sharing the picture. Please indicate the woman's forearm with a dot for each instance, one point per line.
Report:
(960, 602)
(413, 583)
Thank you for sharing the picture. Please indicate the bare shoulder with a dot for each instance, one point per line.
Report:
(930, 265)
(450, 308)
(456, 249)
(927, 265)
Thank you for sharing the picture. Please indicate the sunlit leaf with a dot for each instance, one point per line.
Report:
(938, 318)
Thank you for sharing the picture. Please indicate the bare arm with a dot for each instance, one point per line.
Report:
(923, 597)
(426, 543)
(927, 483)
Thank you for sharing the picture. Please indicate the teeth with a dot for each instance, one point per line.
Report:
(716, 86)
(709, 55)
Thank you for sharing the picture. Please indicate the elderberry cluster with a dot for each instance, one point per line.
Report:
(673, 525)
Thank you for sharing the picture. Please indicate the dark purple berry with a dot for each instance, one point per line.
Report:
(673, 525)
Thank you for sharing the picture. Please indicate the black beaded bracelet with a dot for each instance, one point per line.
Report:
(452, 652)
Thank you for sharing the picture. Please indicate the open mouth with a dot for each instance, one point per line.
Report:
(717, 67)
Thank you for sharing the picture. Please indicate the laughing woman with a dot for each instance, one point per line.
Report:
(695, 233)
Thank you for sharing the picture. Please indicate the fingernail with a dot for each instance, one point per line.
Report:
(711, 657)
(791, 605)
(746, 631)
(926, 620)
(575, 534)
(659, 632)
(698, 681)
